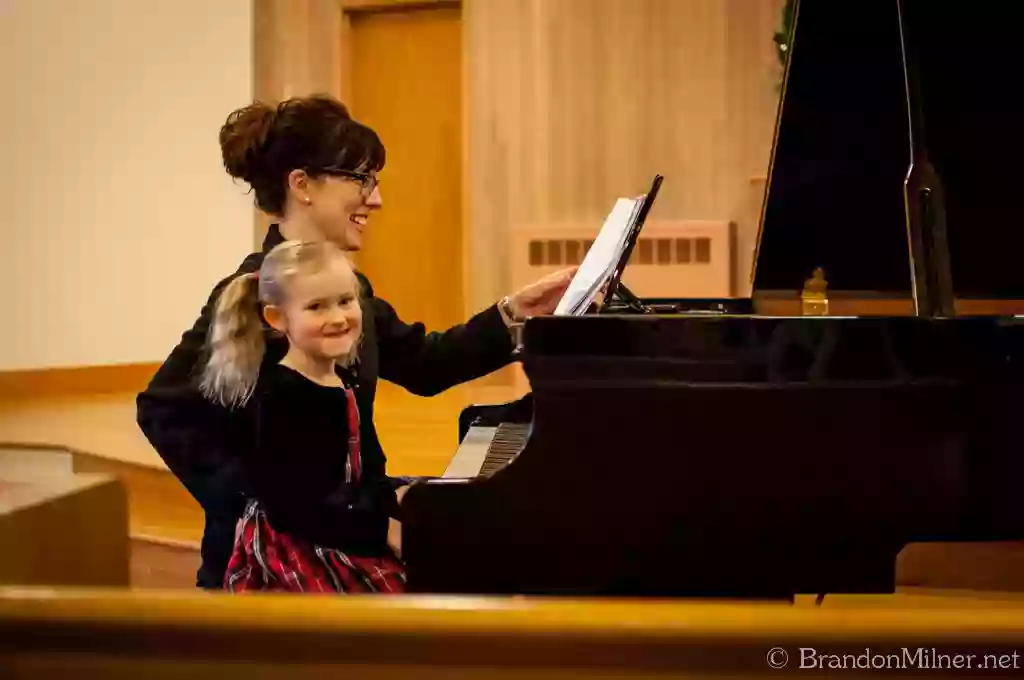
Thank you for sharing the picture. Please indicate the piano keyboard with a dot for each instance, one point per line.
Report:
(485, 450)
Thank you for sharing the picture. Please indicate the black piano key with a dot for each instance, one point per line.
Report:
(509, 439)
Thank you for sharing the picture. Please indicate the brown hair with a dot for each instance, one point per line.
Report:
(236, 343)
(262, 144)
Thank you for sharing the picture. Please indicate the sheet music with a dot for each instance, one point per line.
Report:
(601, 259)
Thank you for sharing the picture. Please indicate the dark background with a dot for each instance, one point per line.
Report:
(835, 196)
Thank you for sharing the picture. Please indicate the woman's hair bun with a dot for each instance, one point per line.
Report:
(243, 137)
(263, 143)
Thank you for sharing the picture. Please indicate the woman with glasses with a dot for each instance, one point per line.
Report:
(314, 170)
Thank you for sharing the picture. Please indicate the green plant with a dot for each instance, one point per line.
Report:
(782, 37)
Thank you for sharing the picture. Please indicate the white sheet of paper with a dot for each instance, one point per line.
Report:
(600, 260)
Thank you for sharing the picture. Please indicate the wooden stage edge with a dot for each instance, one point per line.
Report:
(75, 381)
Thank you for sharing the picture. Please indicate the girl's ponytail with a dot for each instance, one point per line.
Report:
(235, 344)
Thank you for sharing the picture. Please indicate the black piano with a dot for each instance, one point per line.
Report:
(692, 449)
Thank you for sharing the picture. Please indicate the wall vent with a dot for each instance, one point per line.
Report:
(660, 252)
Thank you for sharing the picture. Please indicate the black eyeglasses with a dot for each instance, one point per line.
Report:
(369, 180)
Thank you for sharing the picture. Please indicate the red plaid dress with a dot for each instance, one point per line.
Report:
(266, 559)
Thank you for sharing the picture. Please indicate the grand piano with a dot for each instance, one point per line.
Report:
(707, 448)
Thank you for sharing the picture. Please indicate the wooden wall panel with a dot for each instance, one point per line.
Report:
(571, 105)
(406, 85)
(753, 75)
(298, 49)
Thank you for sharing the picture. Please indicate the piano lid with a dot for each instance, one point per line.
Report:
(835, 191)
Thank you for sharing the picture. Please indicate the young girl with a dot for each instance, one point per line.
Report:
(317, 521)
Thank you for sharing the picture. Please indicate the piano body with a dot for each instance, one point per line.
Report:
(682, 451)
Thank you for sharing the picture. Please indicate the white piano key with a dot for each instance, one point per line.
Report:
(470, 455)
(486, 450)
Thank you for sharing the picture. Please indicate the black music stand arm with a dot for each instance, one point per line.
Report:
(625, 297)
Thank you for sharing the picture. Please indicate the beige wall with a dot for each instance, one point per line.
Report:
(118, 217)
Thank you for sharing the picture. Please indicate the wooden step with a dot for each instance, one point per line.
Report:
(164, 523)
(27, 462)
(160, 508)
(163, 565)
(70, 531)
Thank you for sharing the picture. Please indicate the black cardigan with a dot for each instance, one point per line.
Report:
(296, 466)
(204, 444)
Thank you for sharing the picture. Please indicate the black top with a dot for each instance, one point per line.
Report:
(296, 465)
(203, 444)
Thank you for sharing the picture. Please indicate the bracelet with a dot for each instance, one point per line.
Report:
(505, 307)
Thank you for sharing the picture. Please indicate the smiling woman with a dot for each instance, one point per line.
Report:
(313, 169)
(307, 157)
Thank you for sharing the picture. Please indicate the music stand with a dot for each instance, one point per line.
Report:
(617, 289)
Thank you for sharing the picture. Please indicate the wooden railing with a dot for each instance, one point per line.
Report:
(117, 634)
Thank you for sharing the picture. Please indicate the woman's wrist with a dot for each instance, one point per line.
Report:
(508, 311)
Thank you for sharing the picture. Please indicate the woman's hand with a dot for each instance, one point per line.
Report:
(542, 296)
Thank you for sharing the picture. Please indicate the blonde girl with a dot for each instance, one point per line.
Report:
(317, 521)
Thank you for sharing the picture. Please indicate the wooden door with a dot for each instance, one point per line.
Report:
(406, 85)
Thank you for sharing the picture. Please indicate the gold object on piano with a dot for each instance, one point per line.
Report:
(814, 297)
